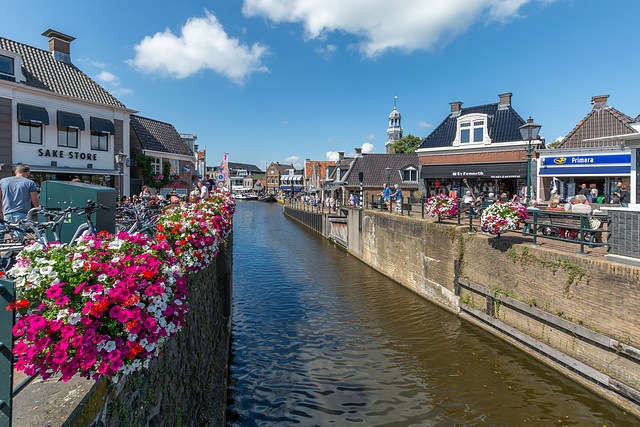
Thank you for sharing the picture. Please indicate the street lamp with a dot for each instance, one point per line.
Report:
(120, 158)
(529, 132)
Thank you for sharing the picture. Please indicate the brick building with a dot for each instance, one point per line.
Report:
(480, 144)
(601, 150)
(273, 176)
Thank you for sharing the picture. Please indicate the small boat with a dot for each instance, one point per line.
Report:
(268, 198)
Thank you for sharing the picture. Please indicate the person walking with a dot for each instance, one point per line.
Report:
(17, 194)
(398, 196)
(386, 196)
(204, 191)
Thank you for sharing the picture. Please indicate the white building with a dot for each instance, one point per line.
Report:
(56, 119)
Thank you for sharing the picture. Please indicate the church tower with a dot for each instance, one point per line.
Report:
(394, 132)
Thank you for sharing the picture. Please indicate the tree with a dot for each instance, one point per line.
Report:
(407, 144)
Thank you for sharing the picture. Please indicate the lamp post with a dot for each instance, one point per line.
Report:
(529, 132)
(120, 158)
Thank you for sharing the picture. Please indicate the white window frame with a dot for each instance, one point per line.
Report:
(472, 122)
(412, 171)
(157, 165)
(17, 75)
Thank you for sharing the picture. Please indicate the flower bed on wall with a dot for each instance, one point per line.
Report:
(107, 305)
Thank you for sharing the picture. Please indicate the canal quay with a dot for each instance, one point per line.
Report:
(321, 338)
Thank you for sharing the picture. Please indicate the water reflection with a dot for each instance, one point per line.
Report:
(322, 339)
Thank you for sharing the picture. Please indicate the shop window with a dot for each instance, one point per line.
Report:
(30, 133)
(100, 141)
(68, 137)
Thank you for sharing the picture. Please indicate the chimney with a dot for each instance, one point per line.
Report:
(599, 101)
(59, 45)
(505, 100)
(455, 108)
(340, 155)
(358, 152)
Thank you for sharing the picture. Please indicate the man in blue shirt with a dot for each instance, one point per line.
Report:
(17, 193)
(386, 194)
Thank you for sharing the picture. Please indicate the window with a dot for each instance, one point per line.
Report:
(7, 66)
(175, 167)
(100, 141)
(410, 175)
(465, 132)
(157, 165)
(475, 128)
(30, 132)
(478, 131)
(68, 137)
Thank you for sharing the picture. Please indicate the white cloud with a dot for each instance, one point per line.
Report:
(203, 44)
(332, 156)
(370, 137)
(404, 24)
(285, 122)
(368, 148)
(425, 125)
(327, 51)
(106, 77)
(121, 91)
(295, 161)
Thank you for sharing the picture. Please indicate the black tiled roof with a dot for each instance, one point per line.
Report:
(503, 126)
(43, 71)
(158, 136)
(244, 166)
(374, 168)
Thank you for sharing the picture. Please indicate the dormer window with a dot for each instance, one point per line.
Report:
(472, 129)
(410, 174)
(7, 68)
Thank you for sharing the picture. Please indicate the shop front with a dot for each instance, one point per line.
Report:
(499, 178)
(563, 172)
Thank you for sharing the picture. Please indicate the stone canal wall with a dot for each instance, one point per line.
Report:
(186, 385)
(579, 315)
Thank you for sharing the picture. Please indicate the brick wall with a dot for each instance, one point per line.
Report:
(485, 157)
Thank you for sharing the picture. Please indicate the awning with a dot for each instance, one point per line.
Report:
(288, 187)
(102, 126)
(476, 170)
(73, 171)
(70, 120)
(32, 114)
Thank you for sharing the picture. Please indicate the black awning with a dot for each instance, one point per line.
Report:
(102, 126)
(70, 120)
(30, 113)
(475, 170)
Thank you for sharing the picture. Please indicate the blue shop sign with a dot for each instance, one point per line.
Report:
(597, 159)
(597, 164)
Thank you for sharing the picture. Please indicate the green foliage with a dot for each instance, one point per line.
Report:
(146, 168)
(407, 144)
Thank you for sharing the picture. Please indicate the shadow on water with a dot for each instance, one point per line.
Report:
(319, 338)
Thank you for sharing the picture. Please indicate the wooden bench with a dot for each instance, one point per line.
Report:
(564, 226)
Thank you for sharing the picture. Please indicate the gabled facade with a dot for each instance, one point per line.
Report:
(315, 171)
(273, 175)
(161, 141)
(480, 144)
(56, 119)
(238, 172)
(600, 151)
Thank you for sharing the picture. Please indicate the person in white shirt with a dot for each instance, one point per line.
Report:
(204, 191)
(468, 198)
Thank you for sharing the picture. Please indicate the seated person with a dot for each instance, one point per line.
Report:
(468, 198)
(491, 198)
(504, 197)
(553, 205)
(533, 205)
(570, 202)
(581, 207)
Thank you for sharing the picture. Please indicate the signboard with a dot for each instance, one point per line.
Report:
(476, 170)
(590, 165)
(597, 159)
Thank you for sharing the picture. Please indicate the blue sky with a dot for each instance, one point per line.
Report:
(286, 80)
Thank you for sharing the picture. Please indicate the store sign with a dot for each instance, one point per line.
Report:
(62, 154)
(597, 159)
(477, 170)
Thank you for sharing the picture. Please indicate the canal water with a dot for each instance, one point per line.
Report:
(320, 339)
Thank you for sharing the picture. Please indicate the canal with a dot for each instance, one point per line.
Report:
(319, 338)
